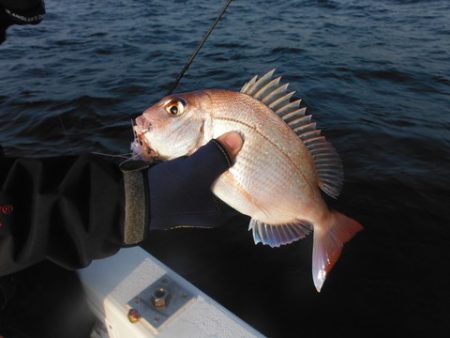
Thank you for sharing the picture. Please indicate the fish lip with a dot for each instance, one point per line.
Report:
(139, 132)
(139, 138)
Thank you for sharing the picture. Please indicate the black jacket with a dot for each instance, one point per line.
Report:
(72, 210)
(69, 210)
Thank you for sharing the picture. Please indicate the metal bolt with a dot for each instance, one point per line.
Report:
(133, 316)
(160, 297)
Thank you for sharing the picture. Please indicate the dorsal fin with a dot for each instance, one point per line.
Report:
(272, 93)
(249, 84)
(252, 89)
(278, 92)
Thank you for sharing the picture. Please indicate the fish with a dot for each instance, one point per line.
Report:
(278, 175)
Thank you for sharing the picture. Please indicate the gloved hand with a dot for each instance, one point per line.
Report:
(180, 189)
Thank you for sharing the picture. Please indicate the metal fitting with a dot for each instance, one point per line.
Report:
(160, 297)
(133, 316)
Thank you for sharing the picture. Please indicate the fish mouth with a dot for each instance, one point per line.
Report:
(141, 146)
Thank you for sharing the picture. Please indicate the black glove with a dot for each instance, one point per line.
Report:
(180, 190)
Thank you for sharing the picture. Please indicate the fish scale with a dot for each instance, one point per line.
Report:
(273, 184)
(260, 154)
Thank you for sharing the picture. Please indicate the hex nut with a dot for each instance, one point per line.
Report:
(160, 297)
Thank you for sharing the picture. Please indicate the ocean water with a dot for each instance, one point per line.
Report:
(374, 74)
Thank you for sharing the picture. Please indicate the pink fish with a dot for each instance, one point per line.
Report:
(278, 174)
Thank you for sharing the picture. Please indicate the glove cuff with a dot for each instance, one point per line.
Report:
(136, 202)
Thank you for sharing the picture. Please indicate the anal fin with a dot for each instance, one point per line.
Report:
(275, 235)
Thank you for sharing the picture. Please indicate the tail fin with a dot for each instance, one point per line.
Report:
(328, 242)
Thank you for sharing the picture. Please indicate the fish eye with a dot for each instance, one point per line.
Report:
(175, 107)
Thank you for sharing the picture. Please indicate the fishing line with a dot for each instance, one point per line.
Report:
(125, 155)
(197, 50)
(182, 72)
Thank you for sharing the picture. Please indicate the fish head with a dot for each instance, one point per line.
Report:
(173, 127)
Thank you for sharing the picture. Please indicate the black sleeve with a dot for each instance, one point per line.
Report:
(69, 210)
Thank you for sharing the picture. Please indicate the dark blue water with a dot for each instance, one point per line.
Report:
(375, 75)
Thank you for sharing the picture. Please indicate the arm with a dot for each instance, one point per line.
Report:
(68, 210)
(72, 210)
